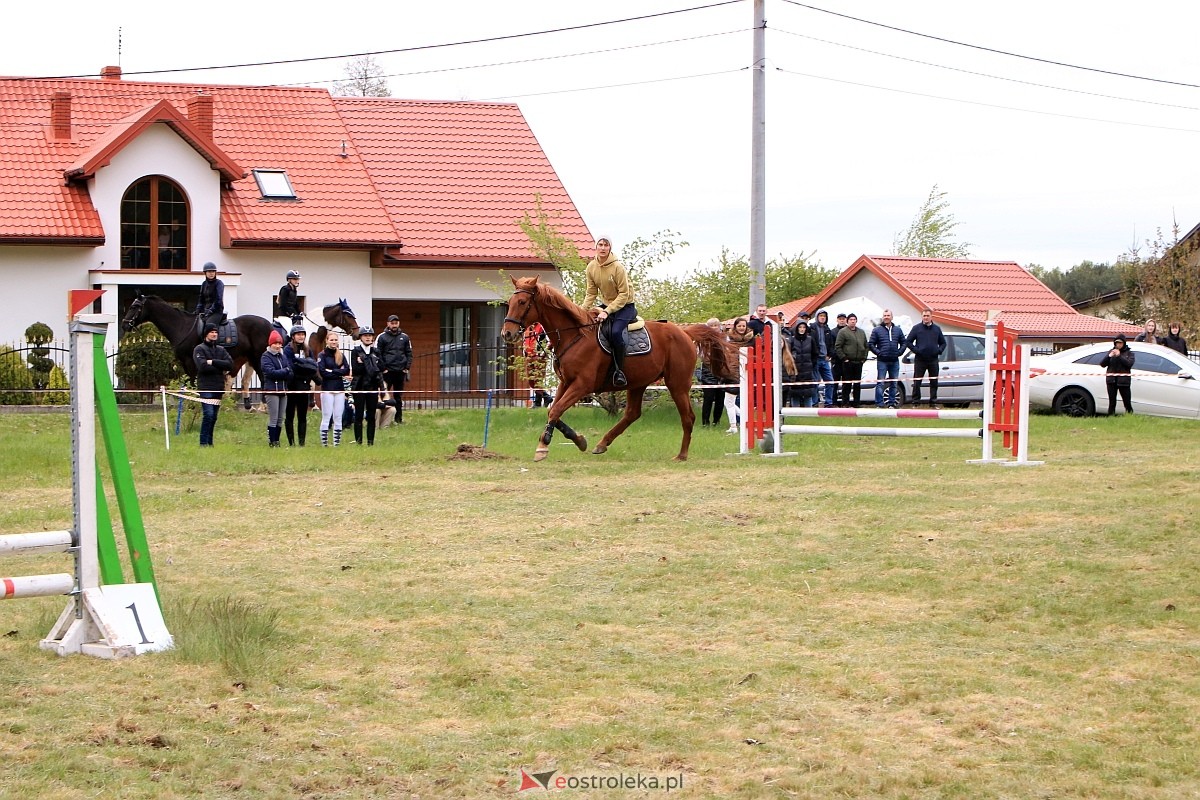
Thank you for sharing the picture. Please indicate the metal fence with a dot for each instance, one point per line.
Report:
(456, 376)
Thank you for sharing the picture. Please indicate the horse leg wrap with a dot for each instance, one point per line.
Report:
(566, 430)
(548, 434)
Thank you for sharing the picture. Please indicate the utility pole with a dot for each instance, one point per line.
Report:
(758, 163)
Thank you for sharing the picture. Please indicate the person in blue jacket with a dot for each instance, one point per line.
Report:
(276, 373)
(887, 343)
(212, 365)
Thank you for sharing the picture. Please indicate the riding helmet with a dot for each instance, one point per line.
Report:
(210, 266)
(293, 274)
(366, 330)
(297, 329)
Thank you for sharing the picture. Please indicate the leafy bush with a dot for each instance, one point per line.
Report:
(145, 359)
(57, 388)
(39, 335)
(14, 378)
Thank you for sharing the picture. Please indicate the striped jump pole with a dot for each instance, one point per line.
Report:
(36, 585)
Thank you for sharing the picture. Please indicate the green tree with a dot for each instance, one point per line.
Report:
(548, 244)
(15, 380)
(931, 234)
(364, 78)
(145, 359)
(39, 335)
(1164, 283)
(723, 290)
(1084, 281)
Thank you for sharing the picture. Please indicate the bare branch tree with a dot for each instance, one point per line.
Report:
(364, 78)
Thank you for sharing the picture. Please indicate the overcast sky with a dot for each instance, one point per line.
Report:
(648, 121)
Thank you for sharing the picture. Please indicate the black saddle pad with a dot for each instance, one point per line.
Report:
(637, 343)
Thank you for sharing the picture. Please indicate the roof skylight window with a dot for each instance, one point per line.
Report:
(273, 184)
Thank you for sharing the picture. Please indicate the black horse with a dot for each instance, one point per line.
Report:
(183, 333)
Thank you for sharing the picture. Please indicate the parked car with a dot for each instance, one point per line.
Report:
(1072, 382)
(454, 367)
(960, 373)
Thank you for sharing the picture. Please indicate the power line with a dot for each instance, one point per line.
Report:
(530, 60)
(984, 74)
(613, 85)
(418, 48)
(993, 50)
(985, 105)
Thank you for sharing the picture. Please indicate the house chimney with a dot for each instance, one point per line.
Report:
(60, 115)
(111, 73)
(200, 113)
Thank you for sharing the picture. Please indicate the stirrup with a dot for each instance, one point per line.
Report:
(619, 378)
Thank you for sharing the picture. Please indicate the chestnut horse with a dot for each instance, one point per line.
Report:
(582, 366)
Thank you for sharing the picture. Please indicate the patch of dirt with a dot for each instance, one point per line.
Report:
(471, 452)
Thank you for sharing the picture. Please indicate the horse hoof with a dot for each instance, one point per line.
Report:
(581, 443)
(679, 458)
(540, 455)
(600, 449)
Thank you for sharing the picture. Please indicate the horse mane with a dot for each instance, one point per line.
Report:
(554, 298)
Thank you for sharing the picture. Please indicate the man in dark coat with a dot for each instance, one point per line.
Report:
(212, 365)
(927, 344)
(395, 351)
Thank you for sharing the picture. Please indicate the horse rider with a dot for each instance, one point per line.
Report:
(211, 305)
(289, 302)
(608, 281)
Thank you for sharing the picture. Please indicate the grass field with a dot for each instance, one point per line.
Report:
(873, 619)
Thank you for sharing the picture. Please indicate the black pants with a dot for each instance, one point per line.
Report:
(365, 405)
(1126, 396)
(297, 409)
(714, 404)
(921, 367)
(395, 380)
(852, 372)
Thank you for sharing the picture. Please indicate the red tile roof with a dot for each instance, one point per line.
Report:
(963, 292)
(457, 177)
(426, 181)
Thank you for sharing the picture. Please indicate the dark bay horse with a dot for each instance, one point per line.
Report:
(583, 367)
(337, 316)
(181, 331)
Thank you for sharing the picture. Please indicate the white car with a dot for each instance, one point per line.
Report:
(1072, 382)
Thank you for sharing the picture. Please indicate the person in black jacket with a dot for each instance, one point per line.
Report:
(805, 353)
(927, 344)
(211, 303)
(1118, 365)
(276, 373)
(366, 370)
(395, 351)
(1174, 339)
(332, 366)
(289, 298)
(304, 370)
(212, 365)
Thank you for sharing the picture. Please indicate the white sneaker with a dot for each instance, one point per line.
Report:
(731, 429)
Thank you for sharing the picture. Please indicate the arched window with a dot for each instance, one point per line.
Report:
(154, 225)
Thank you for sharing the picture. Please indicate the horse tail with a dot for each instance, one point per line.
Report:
(716, 352)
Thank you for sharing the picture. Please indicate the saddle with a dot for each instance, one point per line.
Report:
(227, 333)
(637, 338)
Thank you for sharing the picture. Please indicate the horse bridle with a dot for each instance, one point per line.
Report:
(562, 351)
(520, 323)
(128, 322)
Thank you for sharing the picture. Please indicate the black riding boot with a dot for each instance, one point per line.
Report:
(618, 352)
